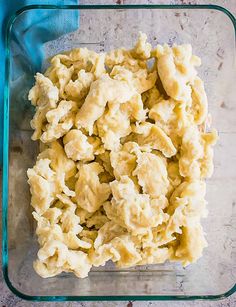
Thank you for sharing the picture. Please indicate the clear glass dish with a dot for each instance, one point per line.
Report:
(211, 31)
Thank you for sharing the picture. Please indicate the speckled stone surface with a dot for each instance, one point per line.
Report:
(8, 299)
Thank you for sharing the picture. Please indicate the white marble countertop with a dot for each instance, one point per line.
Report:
(8, 299)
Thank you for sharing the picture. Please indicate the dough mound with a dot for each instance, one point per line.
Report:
(121, 176)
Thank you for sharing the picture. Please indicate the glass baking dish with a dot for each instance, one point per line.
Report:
(211, 31)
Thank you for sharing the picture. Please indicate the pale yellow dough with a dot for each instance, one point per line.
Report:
(123, 161)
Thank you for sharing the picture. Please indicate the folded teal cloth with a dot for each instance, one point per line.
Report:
(49, 27)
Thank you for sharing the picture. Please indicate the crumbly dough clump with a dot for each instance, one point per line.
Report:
(125, 155)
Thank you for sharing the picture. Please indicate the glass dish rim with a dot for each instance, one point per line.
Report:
(7, 34)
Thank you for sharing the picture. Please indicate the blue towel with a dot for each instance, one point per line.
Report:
(50, 26)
